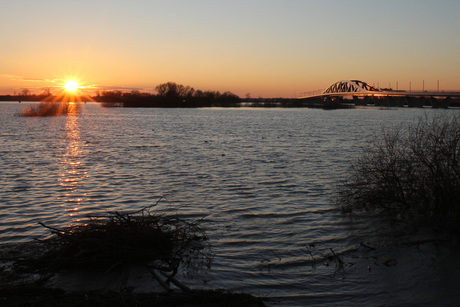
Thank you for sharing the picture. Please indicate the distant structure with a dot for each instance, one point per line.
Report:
(359, 92)
(350, 86)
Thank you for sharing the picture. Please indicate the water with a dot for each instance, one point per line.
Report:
(261, 179)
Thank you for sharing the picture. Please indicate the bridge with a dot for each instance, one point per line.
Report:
(357, 88)
(357, 91)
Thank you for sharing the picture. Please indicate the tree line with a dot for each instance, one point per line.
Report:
(169, 94)
(26, 95)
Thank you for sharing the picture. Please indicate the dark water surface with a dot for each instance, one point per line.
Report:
(261, 179)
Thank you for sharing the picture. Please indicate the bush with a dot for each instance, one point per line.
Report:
(44, 109)
(412, 172)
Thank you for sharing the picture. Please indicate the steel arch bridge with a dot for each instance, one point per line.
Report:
(350, 86)
(357, 88)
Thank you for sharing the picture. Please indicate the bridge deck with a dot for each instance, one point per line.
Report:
(387, 94)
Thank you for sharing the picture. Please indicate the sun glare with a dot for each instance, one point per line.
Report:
(71, 86)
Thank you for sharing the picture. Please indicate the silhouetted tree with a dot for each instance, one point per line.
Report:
(111, 96)
(171, 89)
(199, 94)
(187, 91)
(168, 89)
(46, 92)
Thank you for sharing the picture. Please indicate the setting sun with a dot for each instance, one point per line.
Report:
(71, 86)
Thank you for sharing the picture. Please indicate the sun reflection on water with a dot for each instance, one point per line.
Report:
(72, 173)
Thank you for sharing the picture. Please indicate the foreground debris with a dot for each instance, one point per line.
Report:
(158, 241)
(115, 259)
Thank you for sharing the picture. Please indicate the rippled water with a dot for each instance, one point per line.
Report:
(261, 179)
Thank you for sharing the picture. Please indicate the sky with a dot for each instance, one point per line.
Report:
(257, 48)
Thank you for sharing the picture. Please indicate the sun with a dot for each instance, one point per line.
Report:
(71, 86)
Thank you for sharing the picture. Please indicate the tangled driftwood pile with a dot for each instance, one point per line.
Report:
(161, 242)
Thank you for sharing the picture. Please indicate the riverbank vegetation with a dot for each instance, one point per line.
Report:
(412, 173)
(50, 108)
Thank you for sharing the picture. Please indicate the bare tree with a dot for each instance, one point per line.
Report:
(47, 92)
(169, 89)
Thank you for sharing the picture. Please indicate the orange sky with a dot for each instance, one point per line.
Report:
(262, 48)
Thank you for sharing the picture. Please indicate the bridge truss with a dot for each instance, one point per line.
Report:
(357, 88)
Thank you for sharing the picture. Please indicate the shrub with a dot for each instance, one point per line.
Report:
(50, 109)
(413, 171)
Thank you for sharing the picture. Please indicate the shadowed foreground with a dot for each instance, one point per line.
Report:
(38, 296)
(117, 259)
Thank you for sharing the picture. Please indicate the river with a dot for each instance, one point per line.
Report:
(262, 180)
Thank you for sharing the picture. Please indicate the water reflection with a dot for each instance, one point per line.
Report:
(72, 173)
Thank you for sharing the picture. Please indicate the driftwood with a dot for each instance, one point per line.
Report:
(161, 242)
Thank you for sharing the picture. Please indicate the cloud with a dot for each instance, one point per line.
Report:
(28, 79)
(119, 88)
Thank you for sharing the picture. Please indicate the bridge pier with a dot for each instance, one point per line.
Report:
(413, 102)
(439, 103)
